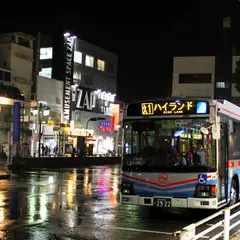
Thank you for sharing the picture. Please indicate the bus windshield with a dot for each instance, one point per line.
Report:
(168, 145)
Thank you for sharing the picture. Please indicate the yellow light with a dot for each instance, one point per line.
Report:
(3, 100)
(147, 109)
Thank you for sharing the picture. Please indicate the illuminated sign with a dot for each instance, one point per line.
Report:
(69, 55)
(105, 127)
(93, 101)
(172, 107)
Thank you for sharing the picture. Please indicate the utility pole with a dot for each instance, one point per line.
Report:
(223, 62)
(36, 67)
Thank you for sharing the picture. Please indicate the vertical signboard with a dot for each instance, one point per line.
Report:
(69, 42)
(16, 121)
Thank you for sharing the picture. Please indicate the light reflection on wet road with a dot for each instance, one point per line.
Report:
(78, 204)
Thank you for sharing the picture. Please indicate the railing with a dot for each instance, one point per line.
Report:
(189, 232)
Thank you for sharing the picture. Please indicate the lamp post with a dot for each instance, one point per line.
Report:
(40, 113)
(93, 119)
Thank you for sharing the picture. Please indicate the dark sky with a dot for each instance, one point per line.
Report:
(146, 39)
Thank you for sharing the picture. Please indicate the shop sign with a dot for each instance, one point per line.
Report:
(92, 101)
(69, 51)
(24, 57)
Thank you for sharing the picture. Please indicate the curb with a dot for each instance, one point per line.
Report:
(235, 236)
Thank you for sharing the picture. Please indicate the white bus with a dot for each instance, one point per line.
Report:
(182, 153)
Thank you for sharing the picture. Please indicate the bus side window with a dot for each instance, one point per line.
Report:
(234, 141)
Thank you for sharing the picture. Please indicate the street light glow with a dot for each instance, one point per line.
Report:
(66, 34)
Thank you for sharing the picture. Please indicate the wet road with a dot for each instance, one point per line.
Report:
(79, 204)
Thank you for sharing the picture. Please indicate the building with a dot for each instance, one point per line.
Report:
(16, 58)
(93, 67)
(195, 76)
(89, 76)
(47, 113)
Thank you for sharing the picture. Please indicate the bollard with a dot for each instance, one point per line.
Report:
(226, 223)
(188, 233)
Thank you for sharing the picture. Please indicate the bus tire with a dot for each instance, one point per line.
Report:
(234, 192)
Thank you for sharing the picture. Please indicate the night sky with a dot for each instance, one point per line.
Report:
(146, 39)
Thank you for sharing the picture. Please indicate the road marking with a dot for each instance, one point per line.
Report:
(142, 230)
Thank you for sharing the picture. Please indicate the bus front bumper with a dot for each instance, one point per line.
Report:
(169, 202)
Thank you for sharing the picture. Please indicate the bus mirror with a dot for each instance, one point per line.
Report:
(216, 131)
(204, 130)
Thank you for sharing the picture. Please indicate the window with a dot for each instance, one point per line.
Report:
(23, 42)
(88, 79)
(234, 140)
(5, 76)
(110, 68)
(46, 72)
(195, 78)
(77, 57)
(46, 53)
(77, 76)
(222, 85)
(100, 65)
(168, 144)
(89, 61)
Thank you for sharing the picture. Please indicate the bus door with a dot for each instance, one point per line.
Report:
(222, 162)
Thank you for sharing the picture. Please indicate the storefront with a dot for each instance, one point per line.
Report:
(93, 128)
(45, 124)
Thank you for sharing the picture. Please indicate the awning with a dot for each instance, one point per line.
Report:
(11, 92)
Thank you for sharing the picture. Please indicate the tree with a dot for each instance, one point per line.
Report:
(236, 76)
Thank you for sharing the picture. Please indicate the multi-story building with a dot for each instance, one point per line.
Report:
(195, 76)
(16, 58)
(94, 67)
(89, 76)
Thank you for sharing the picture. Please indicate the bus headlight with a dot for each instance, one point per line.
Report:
(205, 191)
(127, 188)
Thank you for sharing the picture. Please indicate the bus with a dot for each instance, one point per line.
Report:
(181, 153)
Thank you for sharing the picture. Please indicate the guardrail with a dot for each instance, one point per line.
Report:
(189, 232)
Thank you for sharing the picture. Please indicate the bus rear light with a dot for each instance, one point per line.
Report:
(206, 191)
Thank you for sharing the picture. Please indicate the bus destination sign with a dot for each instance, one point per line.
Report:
(172, 107)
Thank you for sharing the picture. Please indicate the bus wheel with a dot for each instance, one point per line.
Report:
(234, 193)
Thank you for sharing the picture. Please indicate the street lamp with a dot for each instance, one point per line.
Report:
(94, 119)
(43, 111)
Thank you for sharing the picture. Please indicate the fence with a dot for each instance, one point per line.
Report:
(189, 232)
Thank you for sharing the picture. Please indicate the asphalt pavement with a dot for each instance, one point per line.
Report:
(80, 204)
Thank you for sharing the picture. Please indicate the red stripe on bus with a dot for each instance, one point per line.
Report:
(230, 164)
(162, 185)
(238, 115)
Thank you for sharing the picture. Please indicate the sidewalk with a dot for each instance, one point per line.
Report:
(235, 236)
(4, 174)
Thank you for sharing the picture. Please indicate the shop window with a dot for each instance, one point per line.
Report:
(46, 53)
(77, 57)
(100, 65)
(89, 61)
(46, 72)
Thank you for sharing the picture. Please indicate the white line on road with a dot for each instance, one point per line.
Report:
(142, 230)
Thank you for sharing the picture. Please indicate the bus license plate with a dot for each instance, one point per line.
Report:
(162, 202)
